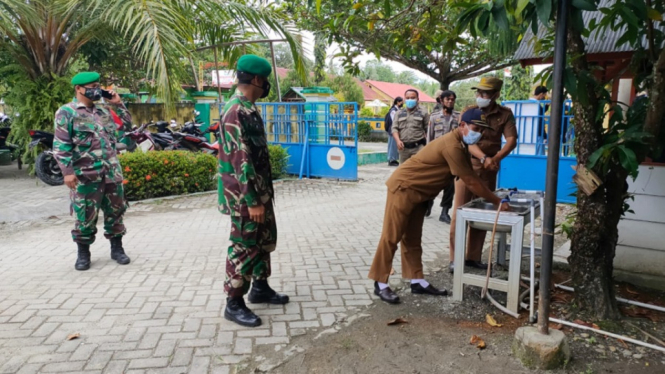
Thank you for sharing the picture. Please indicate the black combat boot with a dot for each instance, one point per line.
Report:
(117, 252)
(236, 311)
(83, 259)
(444, 217)
(262, 293)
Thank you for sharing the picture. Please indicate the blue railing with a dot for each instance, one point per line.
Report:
(530, 156)
(533, 122)
(321, 138)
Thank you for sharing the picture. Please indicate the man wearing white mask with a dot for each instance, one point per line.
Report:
(410, 187)
(486, 156)
(409, 127)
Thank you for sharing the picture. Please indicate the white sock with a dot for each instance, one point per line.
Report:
(422, 282)
(382, 286)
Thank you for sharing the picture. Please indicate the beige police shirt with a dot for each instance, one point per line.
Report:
(411, 126)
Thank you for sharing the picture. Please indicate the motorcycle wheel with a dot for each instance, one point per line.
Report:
(47, 170)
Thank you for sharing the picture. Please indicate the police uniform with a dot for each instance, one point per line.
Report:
(245, 181)
(502, 121)
(439, 125)
(84, 145)
(411, 128)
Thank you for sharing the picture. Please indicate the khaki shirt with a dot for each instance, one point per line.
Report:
(501, 119)
(440, 124)
(411, 126)
(433, 168)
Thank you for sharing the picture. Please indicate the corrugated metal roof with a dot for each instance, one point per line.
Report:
(596, 42)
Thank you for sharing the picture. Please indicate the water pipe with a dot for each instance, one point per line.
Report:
(620, 299)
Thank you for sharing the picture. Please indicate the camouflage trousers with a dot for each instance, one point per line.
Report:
(86, 201)
(249, 254)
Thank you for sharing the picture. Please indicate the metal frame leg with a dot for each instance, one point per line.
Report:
(515, 268)
(460, 252)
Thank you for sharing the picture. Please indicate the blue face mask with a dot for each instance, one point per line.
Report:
(472, 137)
(411, 103)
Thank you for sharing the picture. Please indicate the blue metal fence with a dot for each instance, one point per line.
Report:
(526, 166)
(321, 138)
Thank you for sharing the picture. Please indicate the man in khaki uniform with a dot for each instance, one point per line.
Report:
(486, 157)
(410, 187)
(410, 127)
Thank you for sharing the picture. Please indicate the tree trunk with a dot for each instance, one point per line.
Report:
(656, 111)
(319, 58)
(595, 231)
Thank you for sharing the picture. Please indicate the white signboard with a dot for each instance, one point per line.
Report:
(336, 158)
(222, 77)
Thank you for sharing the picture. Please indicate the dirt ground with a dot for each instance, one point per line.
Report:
(436, 340)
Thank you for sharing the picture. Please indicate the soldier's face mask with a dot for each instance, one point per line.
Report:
(93, 93)
(266, 88)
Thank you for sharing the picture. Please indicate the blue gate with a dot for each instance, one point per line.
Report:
(526, 167)
(320, 137)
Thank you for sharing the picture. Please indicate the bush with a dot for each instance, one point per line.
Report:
(165, 173)
(279, 160)
(364, 131)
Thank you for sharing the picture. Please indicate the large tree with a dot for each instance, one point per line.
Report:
(420, 34)
(615, 152)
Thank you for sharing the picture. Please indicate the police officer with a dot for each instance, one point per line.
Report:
(84, 146)
(246, 194)
(441, 123)
(410, 187)
(486, 157)
(410, 127)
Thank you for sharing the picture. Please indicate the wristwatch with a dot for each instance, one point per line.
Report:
(482, 160)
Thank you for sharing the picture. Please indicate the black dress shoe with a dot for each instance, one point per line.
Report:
(386, 294)
(418, 289)
(236, 311)
(262, 293)
(83, 259)
(444, 217)
(393, 163)
(117, 252)
(475, 264)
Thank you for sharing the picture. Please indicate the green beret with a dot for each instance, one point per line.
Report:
(85, 77)
(255, 65)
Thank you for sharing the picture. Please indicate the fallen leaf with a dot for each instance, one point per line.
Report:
(397, 321)
(491, 321)
(580, 322)
(623, 343)
(478, 342)
(595, 326)
(537, 265)
(392, 271)
(73, 336)
(631, 291)
(558, 326)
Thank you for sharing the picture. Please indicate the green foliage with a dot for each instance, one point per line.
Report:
(465, 95)
(518, 85)
(367, 112)
(36, 102)
(346, 87)
(279, 160)
(364, 131)
(166, 173)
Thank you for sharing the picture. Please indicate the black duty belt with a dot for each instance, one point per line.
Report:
(420, 142)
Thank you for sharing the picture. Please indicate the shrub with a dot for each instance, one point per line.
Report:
(279, 160)
(364, 131)
(165, 173)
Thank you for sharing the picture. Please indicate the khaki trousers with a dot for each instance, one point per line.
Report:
(475, 238)
(402, 221)
(407, 153)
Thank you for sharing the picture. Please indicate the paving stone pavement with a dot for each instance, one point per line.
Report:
(23, 197)
(163, 313)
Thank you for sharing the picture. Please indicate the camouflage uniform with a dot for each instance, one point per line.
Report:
(245, 180)
(84, 145)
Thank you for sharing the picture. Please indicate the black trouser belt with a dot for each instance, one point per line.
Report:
(415, 144)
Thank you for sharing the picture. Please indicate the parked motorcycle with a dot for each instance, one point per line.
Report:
(46, 167)
(14, 149)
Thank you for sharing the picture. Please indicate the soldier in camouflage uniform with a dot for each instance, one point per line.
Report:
(246, 194)
(84, 146)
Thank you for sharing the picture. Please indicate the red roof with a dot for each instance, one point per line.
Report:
(397, 89)
(368, 93)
